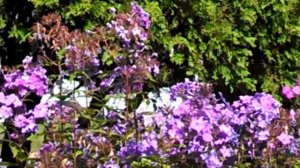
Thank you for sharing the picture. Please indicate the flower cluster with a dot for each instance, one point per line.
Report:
(256, 113)
(80, 58)
(8, 103)
(135, 65)
(213, 133)
(32, 79)
(292, 92)
(132, 28)
(199, 127)
(252, 119)
(78, 49)
(90, 148)
(146, 146)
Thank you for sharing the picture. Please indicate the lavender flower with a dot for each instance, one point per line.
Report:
(285, 139)
(287, 91)
(32, 79)
(5, 113)
(25, 124)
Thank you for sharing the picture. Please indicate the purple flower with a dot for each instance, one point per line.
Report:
(285, 139)
(33, 79)
(112, 10)
(160, 118)
(226, 152)
(5, 113)
(263, 135)
(296, 90)
(212, 161)
(183, 109)
(13, 99)
(26, 124)
(110, 164)
(20, 121)
(142, 16)
(287, 91)
(267, 101)
(198, 124)
(48, 147)
(42, 110)
(27, 60)
(14, 136)
(207, 137)
(245, 99)
(226, 129)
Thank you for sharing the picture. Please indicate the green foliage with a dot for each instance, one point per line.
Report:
(19, 33)
(246, 45)
(37, 139)
(42, 3)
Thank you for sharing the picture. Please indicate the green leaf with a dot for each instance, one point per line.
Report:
(78, 153)
(107, 58)
(47, 3)
(19, 33)
(61, 53)
(18, 153)
(8, 164)
(177, 58)
(37, 139)
(2, 22)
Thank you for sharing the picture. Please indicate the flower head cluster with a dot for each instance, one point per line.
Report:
(252, 119)
(12, 108)
(145, 147)
(198, 127)
(188, 90)
(32, 79)
(132, 28)
(80, 58)
(91, 147)
(136, 64)
(7, 105)
(291, 92)
(27, 121)
(256, 113)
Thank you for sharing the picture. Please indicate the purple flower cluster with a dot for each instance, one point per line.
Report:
(32, 79)
(252, 118)
(80, 59)
(12, 108)
(135, 65)
(256, 113)
(209, 132)
(91, 147)
(188, 90)
(8, 103)
(132, 28)
(146, 146)
(27, 121)
(142, 16)
(198, 127)
(292, 92)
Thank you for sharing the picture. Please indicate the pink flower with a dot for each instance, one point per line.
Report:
(296, 90)
(198, 124)
(285, 139)
(226, 152)
(207, 137)
(287, 91)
